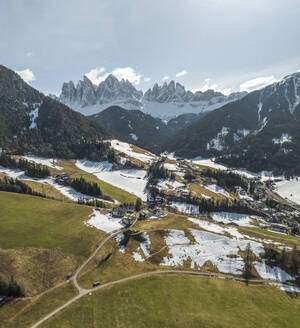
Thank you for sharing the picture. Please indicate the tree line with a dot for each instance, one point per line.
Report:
(31, 169)
(86, 187)
(157, 171)
(17, 186)
(226, 178)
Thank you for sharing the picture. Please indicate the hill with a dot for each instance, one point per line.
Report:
(258, 132)
(32, 122)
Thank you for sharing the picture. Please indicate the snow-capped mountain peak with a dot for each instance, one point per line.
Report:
(165, 101)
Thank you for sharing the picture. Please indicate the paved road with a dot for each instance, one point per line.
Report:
(83, 292)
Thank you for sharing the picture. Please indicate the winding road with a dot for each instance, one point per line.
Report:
(82, 291)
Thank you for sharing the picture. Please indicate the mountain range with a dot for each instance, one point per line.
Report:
(166, 101)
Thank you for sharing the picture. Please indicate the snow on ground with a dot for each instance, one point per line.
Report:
(169, 184)
(217, 190)
(93, 167)
(208, 247)
(269, 273)
(126, 148)
(138, 257)
(186, 208)
(131, 180)
(51, 162)
(145, 245)
(220, 250)
(263, 175)
(284, 138)
(212, 227)
(12, 173)
(243, 220)
(289, 189)
(171, 167)
(134, 136)
(119, 238)
(33, 115)
(103, 222)
(176, 237)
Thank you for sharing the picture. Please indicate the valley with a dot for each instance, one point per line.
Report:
(119, 208)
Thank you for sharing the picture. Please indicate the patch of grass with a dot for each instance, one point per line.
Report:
(182, 301)
(270, 235)
(46, 189)
(198, 190)
(25, 312)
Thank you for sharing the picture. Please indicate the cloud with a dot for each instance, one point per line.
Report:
(147, 79)
(182, 73)
(29, 54)
(258, 83)
(27, 75)
(97, 75)
(165, 78)
(208, 85)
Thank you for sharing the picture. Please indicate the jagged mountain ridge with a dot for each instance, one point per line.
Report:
(260, 131)
(32, 122)
(90, 99)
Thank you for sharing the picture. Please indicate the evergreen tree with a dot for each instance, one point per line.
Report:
(138, 204)
(247, 271)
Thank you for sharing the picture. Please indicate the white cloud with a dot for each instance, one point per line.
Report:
(257, 83)
(97, 75)
(29, 54)
(182, 73)
(27, 75)
(208, 85)
(165, 78)
(147, 79)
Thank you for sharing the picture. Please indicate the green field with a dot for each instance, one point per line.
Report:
(47, 237)
(22, 313)
(180, 301)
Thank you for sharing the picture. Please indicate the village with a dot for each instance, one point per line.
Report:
(278, 214)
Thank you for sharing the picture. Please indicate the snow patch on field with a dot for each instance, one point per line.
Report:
(131, 180)
(212, 227)
(176, 237)
(289, 189)
(243, 220)
(185, 208)
(217, 190)
(220, 250)
(103, 222)
(51, 162)
(93, 167)
(269, 273)
(145, 245)
(126, 148)
(169, 184)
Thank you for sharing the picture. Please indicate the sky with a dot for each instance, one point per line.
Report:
(227, 45)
